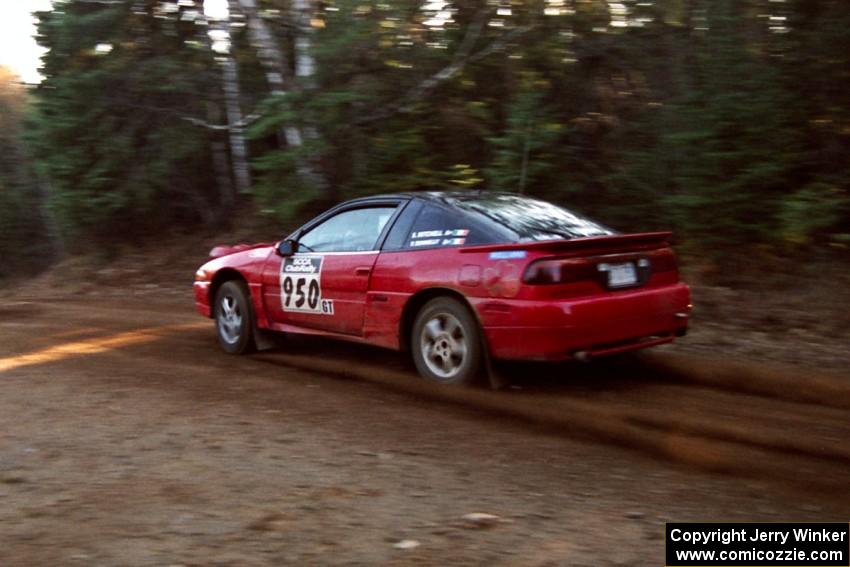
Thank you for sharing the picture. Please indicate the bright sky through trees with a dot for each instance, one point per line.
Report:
(18, 48)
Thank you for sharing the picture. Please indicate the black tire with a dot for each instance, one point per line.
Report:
(446, 343)
(234, 325)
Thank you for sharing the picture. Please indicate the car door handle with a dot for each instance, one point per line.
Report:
(362, 271)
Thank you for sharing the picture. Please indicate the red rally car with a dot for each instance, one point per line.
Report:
(453, 277)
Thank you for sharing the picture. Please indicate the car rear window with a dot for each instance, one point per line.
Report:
(527, 219)
(438, 226)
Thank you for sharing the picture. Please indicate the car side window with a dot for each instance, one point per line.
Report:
(354, 230)
(438, 227)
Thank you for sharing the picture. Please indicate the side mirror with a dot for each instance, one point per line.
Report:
(287, 247)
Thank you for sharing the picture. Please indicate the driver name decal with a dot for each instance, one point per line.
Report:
(439, 237)
(301, 285)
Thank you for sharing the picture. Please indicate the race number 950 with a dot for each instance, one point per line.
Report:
(304, 293)
(301, 292)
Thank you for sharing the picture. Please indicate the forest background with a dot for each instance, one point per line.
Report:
(726, 121)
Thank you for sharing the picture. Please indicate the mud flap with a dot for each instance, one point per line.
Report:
(496, 379)
(265, 340)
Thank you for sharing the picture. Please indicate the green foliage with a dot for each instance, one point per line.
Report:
(22, 245)
(281, 192)
(525, 152)
(813, 211)
(729, 146)
(704, 117)
(396, 160)
(110, 131)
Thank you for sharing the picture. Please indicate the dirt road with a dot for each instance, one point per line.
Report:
(127, 438)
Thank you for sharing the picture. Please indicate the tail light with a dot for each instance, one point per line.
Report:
(553, 271)
(663, 260)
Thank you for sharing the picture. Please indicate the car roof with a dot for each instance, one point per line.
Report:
(434, 196)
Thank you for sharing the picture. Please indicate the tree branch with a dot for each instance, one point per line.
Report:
(246, 121)
(461, 58)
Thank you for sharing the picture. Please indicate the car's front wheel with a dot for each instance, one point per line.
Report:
(234, 318)
(446, 343)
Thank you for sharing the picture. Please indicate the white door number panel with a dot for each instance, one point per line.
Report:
(301, 285)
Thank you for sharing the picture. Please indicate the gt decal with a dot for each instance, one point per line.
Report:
(301, 285)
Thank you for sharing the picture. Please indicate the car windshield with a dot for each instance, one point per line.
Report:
(527, 219)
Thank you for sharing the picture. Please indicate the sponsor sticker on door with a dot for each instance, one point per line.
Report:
(301, 285)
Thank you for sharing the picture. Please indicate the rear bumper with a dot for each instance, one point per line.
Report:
(202, 302)
(584, 328)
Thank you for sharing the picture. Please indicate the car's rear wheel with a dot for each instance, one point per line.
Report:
(446, 342)
(234, 318)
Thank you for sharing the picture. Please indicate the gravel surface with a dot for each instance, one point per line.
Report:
(156, 449)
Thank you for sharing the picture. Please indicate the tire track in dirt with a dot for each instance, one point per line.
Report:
(750, 445)
(736, 448)
(761, 379)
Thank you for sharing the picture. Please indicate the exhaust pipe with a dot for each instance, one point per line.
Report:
(582, 356)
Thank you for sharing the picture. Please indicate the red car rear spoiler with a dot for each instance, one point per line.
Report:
(640, 241)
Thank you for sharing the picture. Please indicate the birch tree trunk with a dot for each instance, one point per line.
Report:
(271, 56)
(238, 147)
(221, 164)
(236, 127)
(305, 67)
(276, 65)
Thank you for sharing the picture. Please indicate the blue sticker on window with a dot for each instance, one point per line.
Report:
(508, 255)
